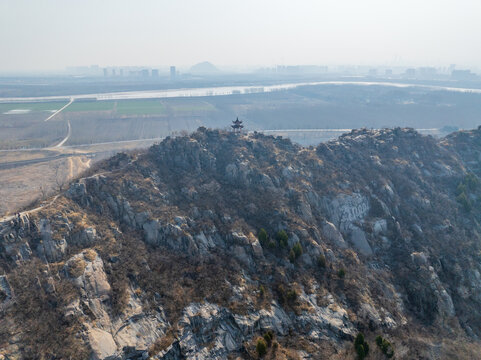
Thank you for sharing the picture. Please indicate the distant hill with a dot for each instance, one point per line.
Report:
(204, 68)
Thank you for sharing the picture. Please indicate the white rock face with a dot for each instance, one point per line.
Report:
(380, 227)
(101, 343)
(330, 231)
(445, 302)
(208, 331)
(358, 239)
(137, 329)
(344, 210)
(107, 336)
(50, 249)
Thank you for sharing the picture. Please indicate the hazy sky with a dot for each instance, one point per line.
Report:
(53, 34)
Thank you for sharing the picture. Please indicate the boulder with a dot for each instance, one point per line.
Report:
(331, 233)
(359, 241)
(101, 342)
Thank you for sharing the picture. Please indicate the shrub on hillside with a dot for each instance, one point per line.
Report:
(268, 337)
(321, 261)
(262, 291)
(261, 347)
(297, 249)
(385, 346)
(282, 238)
(263, 237)
(361, 346)
(295, 252)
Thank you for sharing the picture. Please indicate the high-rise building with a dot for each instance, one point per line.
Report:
(172, 73)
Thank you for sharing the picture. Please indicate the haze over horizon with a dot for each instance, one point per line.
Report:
(53, 34)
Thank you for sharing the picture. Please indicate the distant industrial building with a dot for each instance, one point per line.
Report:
(155, 73)
(462, 75)
(113, 72)
(145, 73)
(410, 72)
(105, 72)
(372, 72)
(121, 72)
(172, 73)
(388, 72)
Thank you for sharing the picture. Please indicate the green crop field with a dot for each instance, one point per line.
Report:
(140, 107)
(78, 106)
(121, 107)
(33, 107)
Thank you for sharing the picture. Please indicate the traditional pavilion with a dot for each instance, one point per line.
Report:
(237, 125)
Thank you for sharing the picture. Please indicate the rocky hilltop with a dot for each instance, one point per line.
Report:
(226, 246)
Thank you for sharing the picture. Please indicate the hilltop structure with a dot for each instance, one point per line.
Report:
(237, 125)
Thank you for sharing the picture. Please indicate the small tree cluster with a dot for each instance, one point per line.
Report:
(261, 347)
(385, 346)
(263, 237)
(286, 296)
(469, 184)
(295, 252)
(262, 291)
(361, 346)
(282, 238)
(341, 273)
(265, 342)
(268, 337)
(321, 261)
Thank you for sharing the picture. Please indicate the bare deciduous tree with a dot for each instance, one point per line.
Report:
(60, 179)
(43, 192)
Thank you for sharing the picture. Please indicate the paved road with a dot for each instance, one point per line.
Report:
(59, 110)
(69, 132)
(14, 164)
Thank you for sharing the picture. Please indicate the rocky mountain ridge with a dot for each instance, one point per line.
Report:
(160, 253)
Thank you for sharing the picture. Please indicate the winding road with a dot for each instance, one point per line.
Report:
(69, 132)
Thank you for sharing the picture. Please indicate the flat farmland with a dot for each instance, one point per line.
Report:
(9, 108)
(140, 107)
(108, 121)
(19, 129)
(326, 106)
(91, 106)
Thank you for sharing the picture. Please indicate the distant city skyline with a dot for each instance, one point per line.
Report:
(51, 35)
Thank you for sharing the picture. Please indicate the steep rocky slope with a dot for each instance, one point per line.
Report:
(160, 254)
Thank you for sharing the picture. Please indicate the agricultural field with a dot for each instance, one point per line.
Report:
(140, 107)
(90, 106)
(308, 107)
(13, 108)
